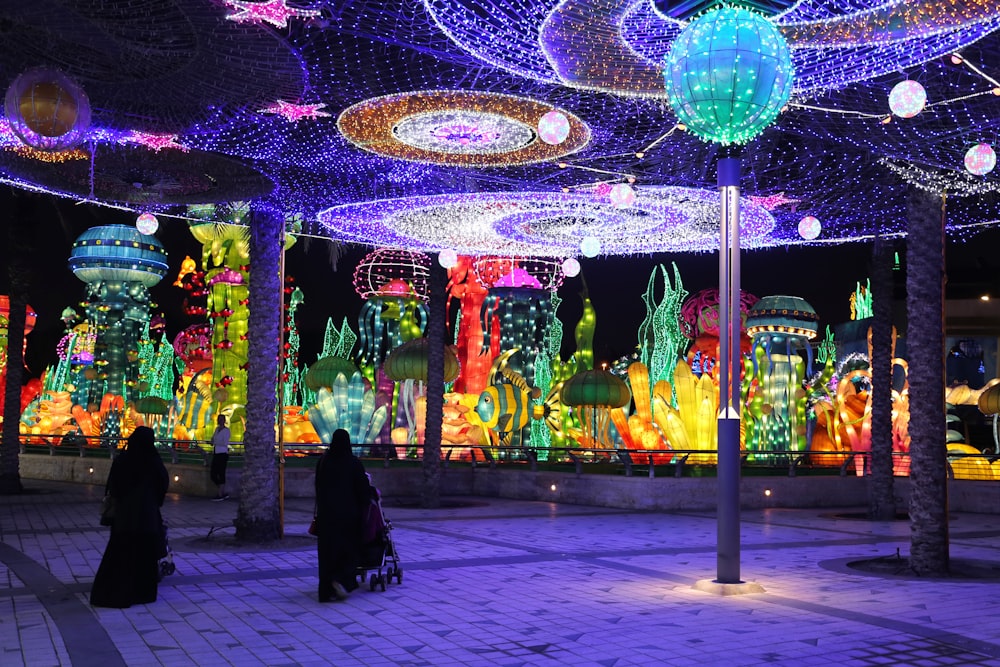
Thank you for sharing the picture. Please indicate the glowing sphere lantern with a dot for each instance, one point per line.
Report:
(47, 110)
(571, 267)
(147, 224)
(622, 195)
(907, 99)
(553, 128)
(980, 159)
(728, 74)
(448, 258)
(809, 228)
(590, 246)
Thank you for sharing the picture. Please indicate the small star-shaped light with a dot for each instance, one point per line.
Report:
(771, 202)
(275, 12)
(295, 112)
(156, 141)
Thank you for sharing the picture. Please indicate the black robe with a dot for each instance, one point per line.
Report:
(129, 572)
(342, 497)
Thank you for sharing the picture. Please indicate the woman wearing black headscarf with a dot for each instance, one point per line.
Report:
(342, 495)
(138, 481)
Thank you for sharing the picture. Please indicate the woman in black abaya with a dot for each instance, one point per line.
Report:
(138, 481)
(342, 495)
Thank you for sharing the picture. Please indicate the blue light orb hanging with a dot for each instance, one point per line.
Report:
(728, 74)
(590, 246)
(980, 159)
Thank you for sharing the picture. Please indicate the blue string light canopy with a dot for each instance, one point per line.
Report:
(728, 75)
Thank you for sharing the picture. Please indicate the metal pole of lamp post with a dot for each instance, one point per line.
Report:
(728, 511)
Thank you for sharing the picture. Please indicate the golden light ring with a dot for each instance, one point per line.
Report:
(369, 125)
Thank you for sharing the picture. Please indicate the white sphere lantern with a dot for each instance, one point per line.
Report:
(553, 128)
(907, 99)
(448, 258)
(809, 228)
(980, 159)
(570, 267)
(622, 195)
(147, 224)
(590, 246)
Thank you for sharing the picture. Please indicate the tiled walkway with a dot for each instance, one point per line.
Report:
(495, 582)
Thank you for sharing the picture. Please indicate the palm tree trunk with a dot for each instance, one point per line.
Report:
(882, 505)
(257, 519)
(431, 492)
(20, 230)
(925, 346)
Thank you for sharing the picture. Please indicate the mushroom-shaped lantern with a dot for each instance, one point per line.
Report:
(595, 393)
(781, 327)
(407, 364)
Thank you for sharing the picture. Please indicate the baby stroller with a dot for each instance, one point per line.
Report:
(378, 552)
(165, 565)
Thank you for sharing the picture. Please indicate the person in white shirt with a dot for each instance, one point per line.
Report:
(220, 457)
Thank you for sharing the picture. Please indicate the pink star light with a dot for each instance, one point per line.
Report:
(156, 141)
(295, 112)
(771, 202)
(275, 12)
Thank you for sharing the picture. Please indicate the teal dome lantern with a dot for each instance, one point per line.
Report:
(728, 74)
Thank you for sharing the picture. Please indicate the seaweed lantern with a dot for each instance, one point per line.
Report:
(781, 327)
(393, 284)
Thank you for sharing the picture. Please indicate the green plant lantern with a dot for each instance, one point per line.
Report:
(728, 74)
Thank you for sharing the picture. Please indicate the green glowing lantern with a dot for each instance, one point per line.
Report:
(595, 388)
(409, 362)
(728, 74)
(325, 371)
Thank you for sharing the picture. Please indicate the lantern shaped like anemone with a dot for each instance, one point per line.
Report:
(119, 265)
(325, 371)
(47, 110)
(393, 284)
(728, 74)
(517, 312)
(595, 393)
(699, 321)
(775, 419)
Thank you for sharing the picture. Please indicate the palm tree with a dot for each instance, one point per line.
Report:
(20, 228)
(881, 503)
(257, 519)
(431, 492)
(925, 346)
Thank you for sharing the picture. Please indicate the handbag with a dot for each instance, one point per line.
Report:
(108, 507)
(312, 527)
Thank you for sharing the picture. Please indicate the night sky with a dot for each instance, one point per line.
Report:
(824, 276)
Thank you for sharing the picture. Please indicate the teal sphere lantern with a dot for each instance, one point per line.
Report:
(728, 74)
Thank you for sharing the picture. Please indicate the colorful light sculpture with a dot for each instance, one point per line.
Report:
(571, 267)
(907, 99)
(728, 74)
(47, 110)
(448, 258)
(622, 195)
(980, 159)
(595, 393)
(699, 321)
(393, 284)
(119, 265)
(775, 416)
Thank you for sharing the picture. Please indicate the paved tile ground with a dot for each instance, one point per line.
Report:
(496, 582)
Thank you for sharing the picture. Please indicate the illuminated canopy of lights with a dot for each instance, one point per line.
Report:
(150, 105)
(456, 127)
(547, 224)
(617, 45)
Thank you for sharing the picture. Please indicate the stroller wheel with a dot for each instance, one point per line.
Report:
(399, 575)
(372, 581)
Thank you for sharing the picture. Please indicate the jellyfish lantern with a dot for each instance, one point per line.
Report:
(781, 328)
(393, 284)
(517, 312)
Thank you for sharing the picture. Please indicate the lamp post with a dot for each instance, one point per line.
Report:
(728, 74)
